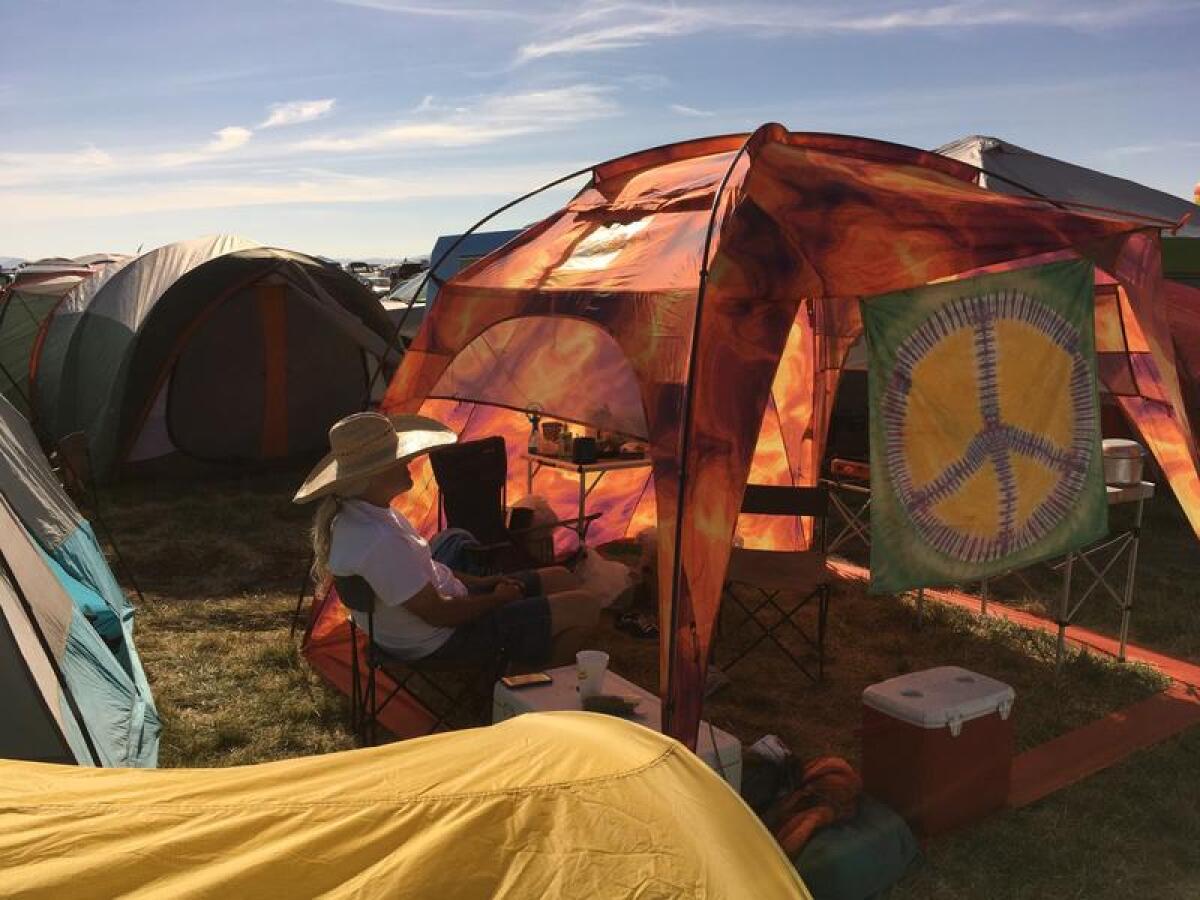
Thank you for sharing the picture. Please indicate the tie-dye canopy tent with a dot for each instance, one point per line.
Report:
(702, 296)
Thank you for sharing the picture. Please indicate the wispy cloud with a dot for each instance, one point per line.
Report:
(449, 11)
(296, 111)
(229, 138)
(225, 140)
(1167, 146)
(622, 24)
(470, 122)
(691, 111)
(310, 188)
(488, 119)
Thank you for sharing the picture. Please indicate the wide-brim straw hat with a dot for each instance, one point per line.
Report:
(368, 443)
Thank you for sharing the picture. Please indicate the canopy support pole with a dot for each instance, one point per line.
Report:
(685, 434)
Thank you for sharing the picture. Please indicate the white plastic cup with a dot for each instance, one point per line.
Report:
(590, 666)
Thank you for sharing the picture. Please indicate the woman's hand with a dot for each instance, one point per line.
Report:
(507, 591)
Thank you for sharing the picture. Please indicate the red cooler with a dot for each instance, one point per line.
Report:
(938, 746)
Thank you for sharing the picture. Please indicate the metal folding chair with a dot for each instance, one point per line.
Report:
(472, 479)
(449, 692)
(775, 576)
(849, 485)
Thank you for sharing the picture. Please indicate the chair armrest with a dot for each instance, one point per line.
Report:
(558, 523)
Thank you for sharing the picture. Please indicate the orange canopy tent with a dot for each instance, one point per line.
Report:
(702, 296)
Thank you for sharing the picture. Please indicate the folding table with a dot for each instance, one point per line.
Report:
(535, 462)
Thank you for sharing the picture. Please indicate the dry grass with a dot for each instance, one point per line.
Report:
(220, 561)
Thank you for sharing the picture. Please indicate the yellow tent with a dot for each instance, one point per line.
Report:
(547, 805)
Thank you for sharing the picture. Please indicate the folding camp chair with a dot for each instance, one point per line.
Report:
(472, 479)
(803, 575)
(452, 693)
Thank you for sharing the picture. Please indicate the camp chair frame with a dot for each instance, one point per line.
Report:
(357, 595)
(502, 546)
(799, 502)
(849, 486)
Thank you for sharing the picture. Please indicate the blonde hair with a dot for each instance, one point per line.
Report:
(322, 528)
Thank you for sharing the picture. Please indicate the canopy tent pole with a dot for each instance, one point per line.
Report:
(436, 264)
(685, 434)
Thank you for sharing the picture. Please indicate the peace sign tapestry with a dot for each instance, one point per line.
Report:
(985, 426)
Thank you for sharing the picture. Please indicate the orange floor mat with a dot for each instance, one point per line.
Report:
(1071, 757)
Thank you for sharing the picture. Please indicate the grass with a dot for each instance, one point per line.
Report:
(220, 561)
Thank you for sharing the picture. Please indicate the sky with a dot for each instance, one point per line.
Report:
(359, 128)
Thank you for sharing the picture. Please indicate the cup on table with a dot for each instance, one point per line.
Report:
(590, 666)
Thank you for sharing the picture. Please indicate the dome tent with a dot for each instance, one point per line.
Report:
(25, 303)
(217, 348)
(566, 804)
(72, 687)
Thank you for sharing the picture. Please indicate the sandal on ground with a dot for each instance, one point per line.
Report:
(637, 624)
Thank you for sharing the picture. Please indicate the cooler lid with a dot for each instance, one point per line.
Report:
(941, 697)
(1122, 448)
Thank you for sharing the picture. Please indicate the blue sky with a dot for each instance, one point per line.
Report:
(367, 127)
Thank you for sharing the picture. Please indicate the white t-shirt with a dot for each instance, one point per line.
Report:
(380, 545)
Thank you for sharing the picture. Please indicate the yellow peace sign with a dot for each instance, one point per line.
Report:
(990, 417)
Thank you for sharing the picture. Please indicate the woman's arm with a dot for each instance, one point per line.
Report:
(450, 612)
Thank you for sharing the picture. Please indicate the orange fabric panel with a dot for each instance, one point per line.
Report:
(272, 311)
(1173, 446)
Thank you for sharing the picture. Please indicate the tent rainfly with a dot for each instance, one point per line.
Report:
(217, 348)
(72, 689)
(702, 297)
(25, 303)
(544, 805)
(1009, 169)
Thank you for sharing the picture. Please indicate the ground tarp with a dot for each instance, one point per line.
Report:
(547, 805)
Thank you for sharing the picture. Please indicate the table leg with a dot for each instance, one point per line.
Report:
(1064, 611)
(582, 503)
(1127, 603)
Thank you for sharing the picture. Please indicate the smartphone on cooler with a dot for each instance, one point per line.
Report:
(514, 682)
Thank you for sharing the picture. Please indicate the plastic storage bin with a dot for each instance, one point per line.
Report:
(938, 746)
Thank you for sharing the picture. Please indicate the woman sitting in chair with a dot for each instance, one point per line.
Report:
(424, 610)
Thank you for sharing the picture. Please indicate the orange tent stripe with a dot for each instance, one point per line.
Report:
(272, 312)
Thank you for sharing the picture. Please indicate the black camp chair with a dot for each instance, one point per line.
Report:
(454, 694)
(803, 575)
(472, 479)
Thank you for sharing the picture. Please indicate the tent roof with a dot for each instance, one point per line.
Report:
(551, 804)
(1048, 177)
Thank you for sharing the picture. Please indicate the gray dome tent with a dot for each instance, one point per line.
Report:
(217, 348)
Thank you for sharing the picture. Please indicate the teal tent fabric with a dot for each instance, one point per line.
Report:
(85, 655)
(858, 859)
